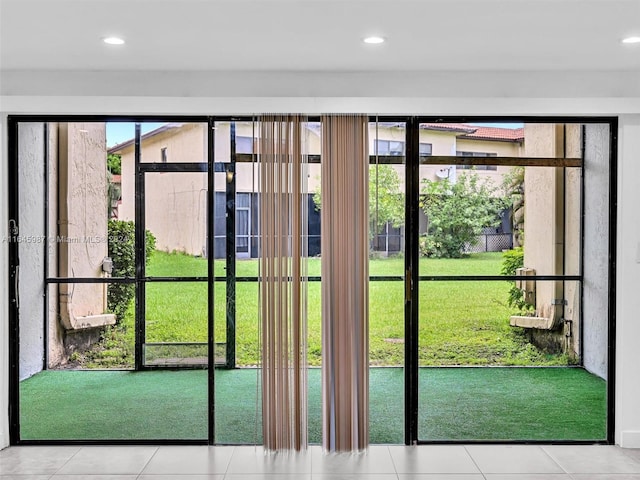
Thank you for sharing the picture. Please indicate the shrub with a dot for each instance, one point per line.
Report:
(457, 212)
(386, 200)
(121, 247)
(511, 261)
(429, 246)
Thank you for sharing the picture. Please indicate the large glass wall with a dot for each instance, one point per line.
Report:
(139, 245)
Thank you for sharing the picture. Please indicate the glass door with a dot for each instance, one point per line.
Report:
(387, 165)
(500, 328)
(173, 294)
(112, 287)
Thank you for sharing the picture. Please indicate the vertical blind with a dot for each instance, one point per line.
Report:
(283, 272)
(345, 280)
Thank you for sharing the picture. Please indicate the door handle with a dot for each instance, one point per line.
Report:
(408, 286)
(16, 284)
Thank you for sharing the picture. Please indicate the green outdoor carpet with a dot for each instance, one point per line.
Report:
(455, 404)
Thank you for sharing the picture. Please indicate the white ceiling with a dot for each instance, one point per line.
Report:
(320, 35)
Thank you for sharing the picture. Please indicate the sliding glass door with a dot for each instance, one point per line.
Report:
(134, 251)
(113, 292)
(505, 346)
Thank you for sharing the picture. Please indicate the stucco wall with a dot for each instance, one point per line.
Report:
(82, 222)
(552, 236)
(77, 211)
(176, 211)
(501, 149)
(573, 238)
(31, 147)
(126, 208)
(55, 330)
(175, 203)
(544, 216)
(596, 248)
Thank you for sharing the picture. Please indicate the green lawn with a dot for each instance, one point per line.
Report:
(454, 404)
(461, 322)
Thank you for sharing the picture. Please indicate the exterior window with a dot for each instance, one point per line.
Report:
(163, 154)
(426, 149)
(476, 167)
(390, 147)
(244, 144)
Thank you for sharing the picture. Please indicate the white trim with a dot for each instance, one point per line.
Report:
(630, 439)
(120, 105)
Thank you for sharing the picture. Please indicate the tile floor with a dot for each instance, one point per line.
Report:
(428, 462)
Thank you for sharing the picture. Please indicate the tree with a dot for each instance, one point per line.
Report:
(386, 201)
(114, 164)
(457, 213)
(513, 185)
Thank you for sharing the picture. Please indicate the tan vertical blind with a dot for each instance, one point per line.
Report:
(283, 293)
(345, 282)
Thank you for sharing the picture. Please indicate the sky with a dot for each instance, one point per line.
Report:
(118, 132)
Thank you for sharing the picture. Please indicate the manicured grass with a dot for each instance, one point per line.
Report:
(455, 404)
(461, 322)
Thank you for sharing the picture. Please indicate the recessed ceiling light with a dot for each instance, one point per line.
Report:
(374, 40)
(113, 41)
(631, 40)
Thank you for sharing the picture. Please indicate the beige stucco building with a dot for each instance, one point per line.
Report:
(175, 205)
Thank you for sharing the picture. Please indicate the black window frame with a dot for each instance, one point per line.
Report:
(413, 161)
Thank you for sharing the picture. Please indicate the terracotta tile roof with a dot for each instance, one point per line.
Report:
(475, 132)
(495, 133)
(449, 127)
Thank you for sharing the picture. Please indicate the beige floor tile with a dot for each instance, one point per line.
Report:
(268, 476)
(440, 476)
(180, 477)
(377, 459)
(593, 459)
(256, 460)
(530, 476)
(112, 460)
(94, 477)
(354, 476)
(190, 460)
(34, 460)
(512, 459)
(432, 459)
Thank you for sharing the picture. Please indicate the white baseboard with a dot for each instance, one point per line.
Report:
(630, 439)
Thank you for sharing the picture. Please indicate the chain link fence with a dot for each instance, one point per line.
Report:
(490, 242)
